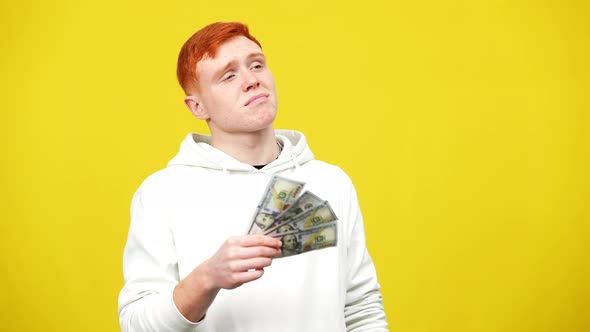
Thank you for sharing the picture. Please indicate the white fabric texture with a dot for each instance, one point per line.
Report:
(182, 214)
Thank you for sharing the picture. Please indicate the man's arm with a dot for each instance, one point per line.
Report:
(364, 306)
(239, 260)
(153, 299)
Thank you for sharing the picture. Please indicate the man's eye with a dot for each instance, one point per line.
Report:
(228, 77)
(257, 66)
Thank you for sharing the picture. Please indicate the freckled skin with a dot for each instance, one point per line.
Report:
(224, 95)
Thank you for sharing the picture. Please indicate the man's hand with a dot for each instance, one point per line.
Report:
(239, 260)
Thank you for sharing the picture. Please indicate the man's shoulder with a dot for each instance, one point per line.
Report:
(326, 170)
(323, 165)
(167, 178)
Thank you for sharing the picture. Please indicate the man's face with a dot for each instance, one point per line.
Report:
(237, 90)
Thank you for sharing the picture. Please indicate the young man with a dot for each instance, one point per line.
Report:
(187, 264)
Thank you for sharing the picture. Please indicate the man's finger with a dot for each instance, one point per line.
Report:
(251, 252)
(247, 276)
(255, 241)
(256, 263)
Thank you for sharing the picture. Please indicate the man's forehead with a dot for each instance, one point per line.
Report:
(224, 58)
(234, 47)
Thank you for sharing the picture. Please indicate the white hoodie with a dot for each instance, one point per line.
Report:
(182, 214)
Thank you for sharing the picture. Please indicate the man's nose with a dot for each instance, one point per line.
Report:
(250, 81)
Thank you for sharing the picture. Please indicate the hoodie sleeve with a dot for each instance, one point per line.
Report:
(150, 272)
(364, 307)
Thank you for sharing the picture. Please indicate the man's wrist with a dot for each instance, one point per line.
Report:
(202, 279)
(194, 294)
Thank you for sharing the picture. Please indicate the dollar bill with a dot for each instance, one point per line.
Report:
(295, 243)
(305, 202)
(315, 216)
(280, 193)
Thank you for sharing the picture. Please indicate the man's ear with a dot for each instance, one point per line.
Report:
(195, 106)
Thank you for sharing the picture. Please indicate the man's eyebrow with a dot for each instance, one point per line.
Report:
(225, 68)
(256, 55)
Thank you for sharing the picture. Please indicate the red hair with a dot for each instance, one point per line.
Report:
(205, 42)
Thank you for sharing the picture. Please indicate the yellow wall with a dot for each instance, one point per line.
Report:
(464, 125)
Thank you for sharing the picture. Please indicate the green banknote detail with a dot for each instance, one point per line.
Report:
(305, 202)
(296, 242)
(313, 217)
(280, 193)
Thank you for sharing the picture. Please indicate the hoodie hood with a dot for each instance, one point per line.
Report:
(196, 151)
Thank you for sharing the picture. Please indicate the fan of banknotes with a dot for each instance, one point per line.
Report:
(302, 221)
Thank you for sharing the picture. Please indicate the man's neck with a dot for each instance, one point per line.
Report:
(258, 148)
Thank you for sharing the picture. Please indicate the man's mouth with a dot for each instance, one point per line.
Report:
(251, 100)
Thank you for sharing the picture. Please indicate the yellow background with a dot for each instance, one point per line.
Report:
(464, 125)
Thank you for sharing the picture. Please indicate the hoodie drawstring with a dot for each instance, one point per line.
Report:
(294, 160)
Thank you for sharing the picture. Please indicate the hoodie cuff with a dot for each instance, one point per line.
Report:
(174, 319)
